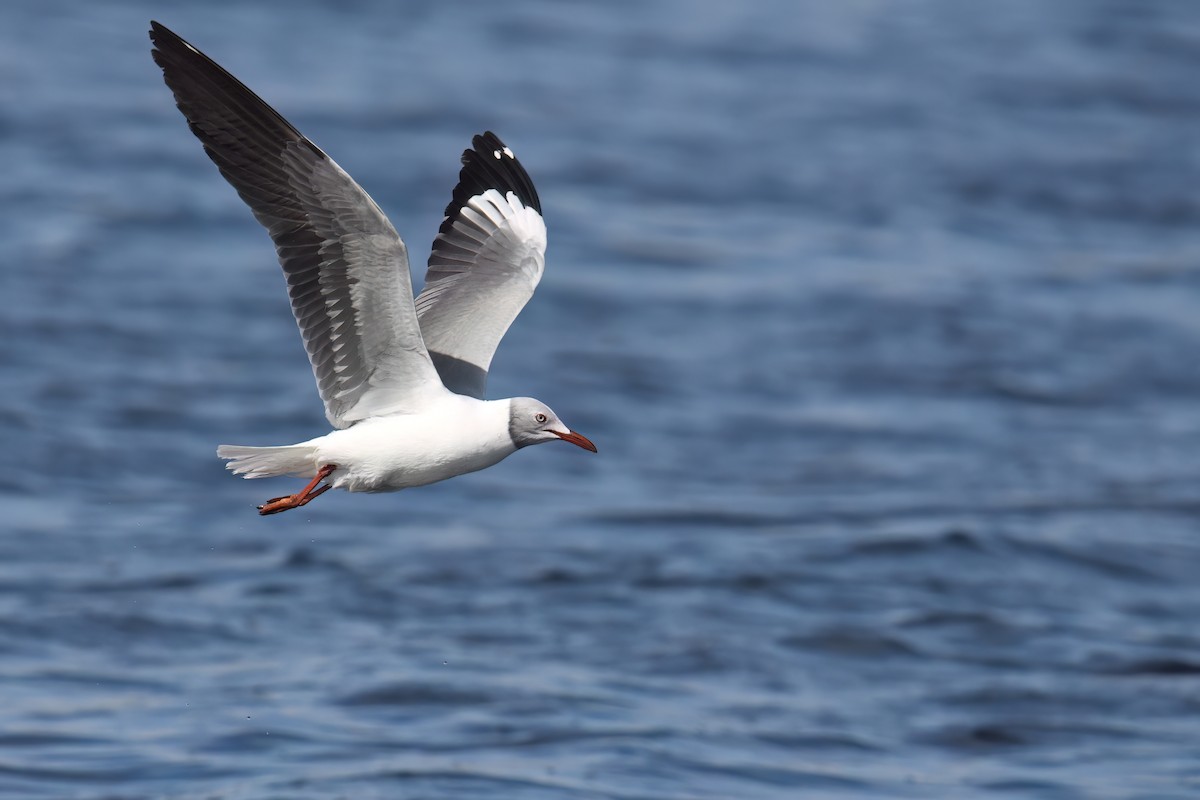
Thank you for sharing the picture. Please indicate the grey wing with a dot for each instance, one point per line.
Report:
(487, 259)
(346, 267)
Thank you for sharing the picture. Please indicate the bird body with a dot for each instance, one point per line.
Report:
(393, 452)
(401, 450)
(402, 378)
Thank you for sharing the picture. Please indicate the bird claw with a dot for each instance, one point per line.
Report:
(304, 497)
(275, 505)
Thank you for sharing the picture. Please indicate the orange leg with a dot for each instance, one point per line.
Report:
(303, 497)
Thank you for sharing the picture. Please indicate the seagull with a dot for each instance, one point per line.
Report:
(402, 380)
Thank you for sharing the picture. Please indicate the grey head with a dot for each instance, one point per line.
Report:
(533, 422)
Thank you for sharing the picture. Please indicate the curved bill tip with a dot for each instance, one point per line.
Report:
(577, 439)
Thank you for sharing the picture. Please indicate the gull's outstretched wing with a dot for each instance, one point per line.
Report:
(487, 259)
(346, 267)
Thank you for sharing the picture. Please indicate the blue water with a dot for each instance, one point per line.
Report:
(884, 316)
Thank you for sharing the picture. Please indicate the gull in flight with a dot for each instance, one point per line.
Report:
(402, 380)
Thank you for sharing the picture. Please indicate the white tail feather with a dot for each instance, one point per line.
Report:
(296, 460)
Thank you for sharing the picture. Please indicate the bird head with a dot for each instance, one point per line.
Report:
(533, 422)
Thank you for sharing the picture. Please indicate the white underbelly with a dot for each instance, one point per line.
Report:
(393, 453)
(394, 478)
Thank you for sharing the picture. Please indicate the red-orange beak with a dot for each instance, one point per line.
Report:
(577, 439)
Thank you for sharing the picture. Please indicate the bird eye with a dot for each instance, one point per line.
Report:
(540, 419)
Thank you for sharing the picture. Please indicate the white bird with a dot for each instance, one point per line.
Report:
(402, 382)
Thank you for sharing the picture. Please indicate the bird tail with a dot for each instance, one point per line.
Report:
(297, 460)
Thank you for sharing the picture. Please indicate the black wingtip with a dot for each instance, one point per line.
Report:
(490, 164)
(160, 31)
(199, 83)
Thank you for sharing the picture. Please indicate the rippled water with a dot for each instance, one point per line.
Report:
(883, 315)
